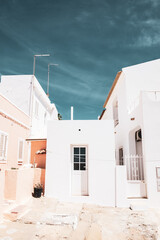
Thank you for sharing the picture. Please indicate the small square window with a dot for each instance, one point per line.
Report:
(76, 166)
(82, 150)
(82, 158)
(82, 166)
(76, 150)
(76, 158)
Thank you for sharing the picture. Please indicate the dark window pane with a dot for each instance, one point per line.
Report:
(76, 158)
(82, 158)
(76, 166)
(83, 150)
(82, 166)
(76, 150)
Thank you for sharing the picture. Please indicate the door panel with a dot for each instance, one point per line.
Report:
(79, 171)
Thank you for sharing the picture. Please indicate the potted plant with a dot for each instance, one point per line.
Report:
(38, 189)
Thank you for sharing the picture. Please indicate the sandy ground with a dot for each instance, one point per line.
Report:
(49, 219)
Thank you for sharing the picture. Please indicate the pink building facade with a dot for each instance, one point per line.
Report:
(24, 111)
(14, 129)
(14, 153)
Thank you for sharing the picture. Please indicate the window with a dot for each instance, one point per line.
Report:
(138, 136)
(20, 151)
(158, 178)
(79, 158)
(36, 109)
(121, 162)
(115, 113)
(3, 146)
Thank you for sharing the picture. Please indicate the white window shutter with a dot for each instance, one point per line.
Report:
(20, 150)
(1, 145)
(5, 146)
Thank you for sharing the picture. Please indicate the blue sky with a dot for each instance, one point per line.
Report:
(90, 40)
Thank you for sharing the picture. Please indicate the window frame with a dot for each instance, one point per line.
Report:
(20, 160)
(80, 154)
(158, 178)
(121, 161)
(3, 159)
(115, 107)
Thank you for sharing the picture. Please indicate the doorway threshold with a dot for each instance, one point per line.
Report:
(134, 198)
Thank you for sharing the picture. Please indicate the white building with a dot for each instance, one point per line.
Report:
(26, 93)
(134, 105)
(80, 163)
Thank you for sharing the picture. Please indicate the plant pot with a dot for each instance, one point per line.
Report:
(37, 192)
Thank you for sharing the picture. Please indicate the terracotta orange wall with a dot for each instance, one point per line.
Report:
(40, 159)
(39, 177)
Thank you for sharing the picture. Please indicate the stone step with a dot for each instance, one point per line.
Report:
(16, 212)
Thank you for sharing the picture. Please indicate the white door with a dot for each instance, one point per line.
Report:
(79, 171)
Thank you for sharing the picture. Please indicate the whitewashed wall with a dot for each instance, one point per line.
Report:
(99, 136)
(136, 101)
(132, 81)
(122, 129)
(151, 121)
(39, 122)
(18, 90)
(141, 77)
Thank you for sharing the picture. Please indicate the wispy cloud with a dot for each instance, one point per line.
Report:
(149, 33)
(15, 36)
(154, 3)
(77, 92)
(147, 40)
(83, 16)
(91, 40)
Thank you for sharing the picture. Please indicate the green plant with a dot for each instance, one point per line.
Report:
(59, 116)
(38, 186)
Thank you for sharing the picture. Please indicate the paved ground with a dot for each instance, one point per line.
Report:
(49, 219)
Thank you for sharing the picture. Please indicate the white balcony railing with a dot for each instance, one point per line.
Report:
(152, 95)
(135, 170)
